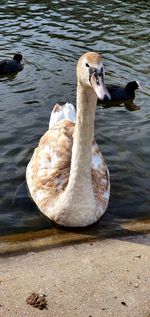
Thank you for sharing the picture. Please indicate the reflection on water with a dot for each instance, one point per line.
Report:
(51, 36)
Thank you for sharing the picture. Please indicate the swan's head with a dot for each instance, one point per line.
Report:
(90, 73)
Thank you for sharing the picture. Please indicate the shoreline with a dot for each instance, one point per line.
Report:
(56, 236)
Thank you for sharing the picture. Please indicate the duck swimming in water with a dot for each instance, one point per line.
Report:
(67, 175)
(121, 94)
(11, 66)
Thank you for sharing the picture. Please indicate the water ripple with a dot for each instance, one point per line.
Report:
(51, 36)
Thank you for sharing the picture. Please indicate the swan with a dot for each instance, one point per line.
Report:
(67, 176)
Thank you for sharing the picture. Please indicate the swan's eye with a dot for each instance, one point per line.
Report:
(87, 65)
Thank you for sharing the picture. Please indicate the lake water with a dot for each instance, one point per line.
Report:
(52, 35)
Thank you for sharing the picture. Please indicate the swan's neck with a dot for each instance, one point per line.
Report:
(76, 206)
(80, 173)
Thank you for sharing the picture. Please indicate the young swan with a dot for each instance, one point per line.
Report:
(67, 176)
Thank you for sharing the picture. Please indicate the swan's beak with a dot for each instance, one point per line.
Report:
(97, 82)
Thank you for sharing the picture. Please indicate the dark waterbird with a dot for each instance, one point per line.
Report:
(11, 66)
(121, 94)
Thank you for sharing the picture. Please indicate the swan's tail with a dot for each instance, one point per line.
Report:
(66, 111)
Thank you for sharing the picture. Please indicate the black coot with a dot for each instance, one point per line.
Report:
(10, 66)
(122, 94)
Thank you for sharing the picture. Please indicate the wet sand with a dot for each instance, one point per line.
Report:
(95, 278)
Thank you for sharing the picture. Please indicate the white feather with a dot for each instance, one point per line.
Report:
(96, 161)
(67, 111)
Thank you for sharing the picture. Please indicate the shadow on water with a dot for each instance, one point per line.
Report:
(129, 105)
(57, 236)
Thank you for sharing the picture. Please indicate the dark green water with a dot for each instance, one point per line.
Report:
(51, 36)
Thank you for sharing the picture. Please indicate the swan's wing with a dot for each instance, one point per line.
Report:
(48, 171)
(100, 178)
(66, 111)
